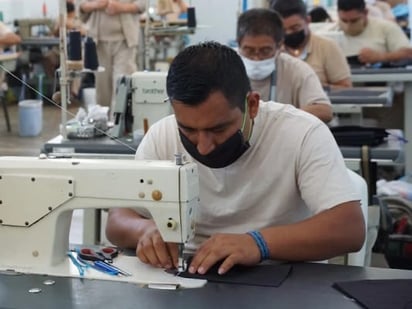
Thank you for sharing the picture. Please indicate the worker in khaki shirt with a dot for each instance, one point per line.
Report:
(7, 39)
(322, 54)
(114, 26)
(371, 39)
(278, 76)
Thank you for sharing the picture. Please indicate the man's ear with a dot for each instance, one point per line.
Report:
(253, 104)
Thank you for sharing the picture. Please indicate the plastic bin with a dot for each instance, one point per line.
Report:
(30, 117)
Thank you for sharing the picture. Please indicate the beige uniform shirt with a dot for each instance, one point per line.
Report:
(296, 84)
(103, 27)
(326, 59)
(380, 35)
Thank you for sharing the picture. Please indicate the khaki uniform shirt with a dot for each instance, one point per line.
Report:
(380, 35)
(103, 27)
(326, 59)
(296, 84)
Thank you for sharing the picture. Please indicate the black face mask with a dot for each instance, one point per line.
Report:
(223, 155)
(295, 39)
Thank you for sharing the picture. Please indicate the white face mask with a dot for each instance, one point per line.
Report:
(260, 69)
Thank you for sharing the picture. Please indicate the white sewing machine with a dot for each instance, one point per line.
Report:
(38, 196)
(140, 98)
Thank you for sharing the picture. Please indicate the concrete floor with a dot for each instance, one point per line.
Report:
(11, 144)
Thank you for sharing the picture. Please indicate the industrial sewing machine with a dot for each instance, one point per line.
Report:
(26, 25)
(38, 196)
(141, 100)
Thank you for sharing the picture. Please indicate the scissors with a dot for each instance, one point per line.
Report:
(106, 254)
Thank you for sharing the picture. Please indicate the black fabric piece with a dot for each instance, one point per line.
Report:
(91, 61)
(379, 294)
(260, 275)
(358, 136)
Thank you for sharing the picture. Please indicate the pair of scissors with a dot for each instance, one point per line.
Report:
(106, 254)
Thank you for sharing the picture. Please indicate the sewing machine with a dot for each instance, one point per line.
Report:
(26, 24)
(140, 98)
(38, 196)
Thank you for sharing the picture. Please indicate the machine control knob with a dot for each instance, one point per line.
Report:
(171, 224)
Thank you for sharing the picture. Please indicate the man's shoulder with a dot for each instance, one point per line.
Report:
(378, 24)
(289, 62)
(293, 67)
(322, 41)
(272, 111)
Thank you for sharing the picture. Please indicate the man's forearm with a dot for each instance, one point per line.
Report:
(131, 8)
(398, 55)
(331, 233)
(88, 7)
(125, 227)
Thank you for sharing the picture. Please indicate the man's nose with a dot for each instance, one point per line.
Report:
(205, 143)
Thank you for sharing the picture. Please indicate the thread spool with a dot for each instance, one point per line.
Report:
(75, 46)
(74, 51)
(191, 17)
(91, 61)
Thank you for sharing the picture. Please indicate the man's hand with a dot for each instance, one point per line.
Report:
(368, 55)
(231, 248)
(113, 8)
(151, 249)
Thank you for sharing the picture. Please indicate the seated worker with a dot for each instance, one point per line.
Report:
(319, 15)
(7, 40)
(373, 40)
(7, 37)
(171, 9)
(278, 76)
(263, 167)
(322, 54)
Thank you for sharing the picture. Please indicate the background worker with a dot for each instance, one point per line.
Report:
(114, 26)
(275, 75)
(322, 54)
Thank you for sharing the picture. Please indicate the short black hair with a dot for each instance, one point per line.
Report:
(287, 8)
(256, 22)
(70, 7)
(208, 67)
(349, 5)
(319, 14)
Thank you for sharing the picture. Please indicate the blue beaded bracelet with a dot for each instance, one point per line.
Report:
(261, 243)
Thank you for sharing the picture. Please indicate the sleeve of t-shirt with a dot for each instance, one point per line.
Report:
(395, 37)
(337, 67)
(310, 89)
(321, 172)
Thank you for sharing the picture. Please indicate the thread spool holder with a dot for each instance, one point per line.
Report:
(68, 69)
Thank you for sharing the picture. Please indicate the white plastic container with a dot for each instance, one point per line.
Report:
(89, 97)
(30, 117)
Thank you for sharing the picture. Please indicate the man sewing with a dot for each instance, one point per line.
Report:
(372, 39)
(277, 76)
(322, 54)
(7, 37)
(273, 184)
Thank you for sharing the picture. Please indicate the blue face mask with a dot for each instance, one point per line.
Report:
(224, 154)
